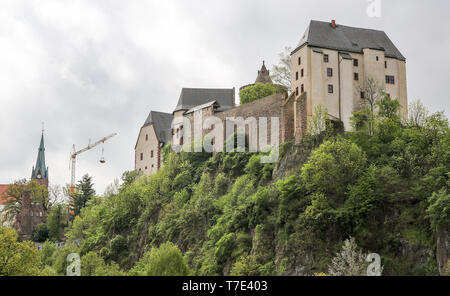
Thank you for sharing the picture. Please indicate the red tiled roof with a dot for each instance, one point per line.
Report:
(2, 189)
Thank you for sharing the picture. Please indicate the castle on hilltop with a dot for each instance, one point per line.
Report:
(329, 67)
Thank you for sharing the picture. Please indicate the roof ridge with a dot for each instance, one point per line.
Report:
(347, 26)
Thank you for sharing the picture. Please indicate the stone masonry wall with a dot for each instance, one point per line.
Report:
(288, 119)
(301, 117)
(267, 107)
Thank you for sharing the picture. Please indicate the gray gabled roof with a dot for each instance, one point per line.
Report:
(162, 123)
(200, 107)
(344, 38)
(192, 97)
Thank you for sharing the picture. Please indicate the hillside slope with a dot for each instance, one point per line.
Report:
(229, 214)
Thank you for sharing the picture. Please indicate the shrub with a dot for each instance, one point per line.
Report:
(255, 92)
(166, 260)
(349, 262)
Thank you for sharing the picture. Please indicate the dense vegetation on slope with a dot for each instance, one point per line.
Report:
(225, 214)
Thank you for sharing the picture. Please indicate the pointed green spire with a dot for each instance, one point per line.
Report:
(40, 171)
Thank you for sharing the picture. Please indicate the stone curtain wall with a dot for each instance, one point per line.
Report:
(268, 107)
(301, 117)
(291, 112)
(287, 120)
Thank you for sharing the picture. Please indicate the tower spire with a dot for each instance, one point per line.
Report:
(263, 75)
(40, 171)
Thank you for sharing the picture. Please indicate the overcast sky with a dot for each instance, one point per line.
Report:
(90, 68)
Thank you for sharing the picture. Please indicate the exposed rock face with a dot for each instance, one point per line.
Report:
(295, 157)
(420, 254)
(442, 249)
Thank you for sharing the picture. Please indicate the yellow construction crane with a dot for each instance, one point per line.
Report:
(76, 153)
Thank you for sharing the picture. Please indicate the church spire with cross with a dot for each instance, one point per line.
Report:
(40, 171)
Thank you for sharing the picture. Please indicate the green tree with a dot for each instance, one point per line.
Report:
(371, 93)
(256, 92)
(56, 221)
(93, 265)
(417, 114)
(341, 159)
(317, 123)
(281, 73)
(166, 260)
(46, 254)
(84, 192)
(13, 197)
(245, 266)
(389, 108)
(439, 209)
(40, 233)
(17, 258)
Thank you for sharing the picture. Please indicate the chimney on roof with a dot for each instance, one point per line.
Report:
(333, 23)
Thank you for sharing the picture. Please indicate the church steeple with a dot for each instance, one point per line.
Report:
(40, 171)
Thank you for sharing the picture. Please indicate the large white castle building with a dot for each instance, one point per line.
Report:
(329, 67)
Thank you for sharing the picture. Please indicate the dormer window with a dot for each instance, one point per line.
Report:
(355, 62)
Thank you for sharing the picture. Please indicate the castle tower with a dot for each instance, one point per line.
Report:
(40, 171)
(263, 75)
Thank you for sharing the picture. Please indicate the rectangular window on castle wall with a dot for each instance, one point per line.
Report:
(390, 79)
(385, 64)
(355, 62)
(303, 88)
(356, 76)
(362, 95)
(146, 137)
(299, 60)
(330, 72)
(330, 88)
(325, 58)
(142, 156)
(296, 75)
(296, 91)
(151, 154)
(302, 72)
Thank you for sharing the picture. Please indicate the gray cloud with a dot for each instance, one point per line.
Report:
(89, 68)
